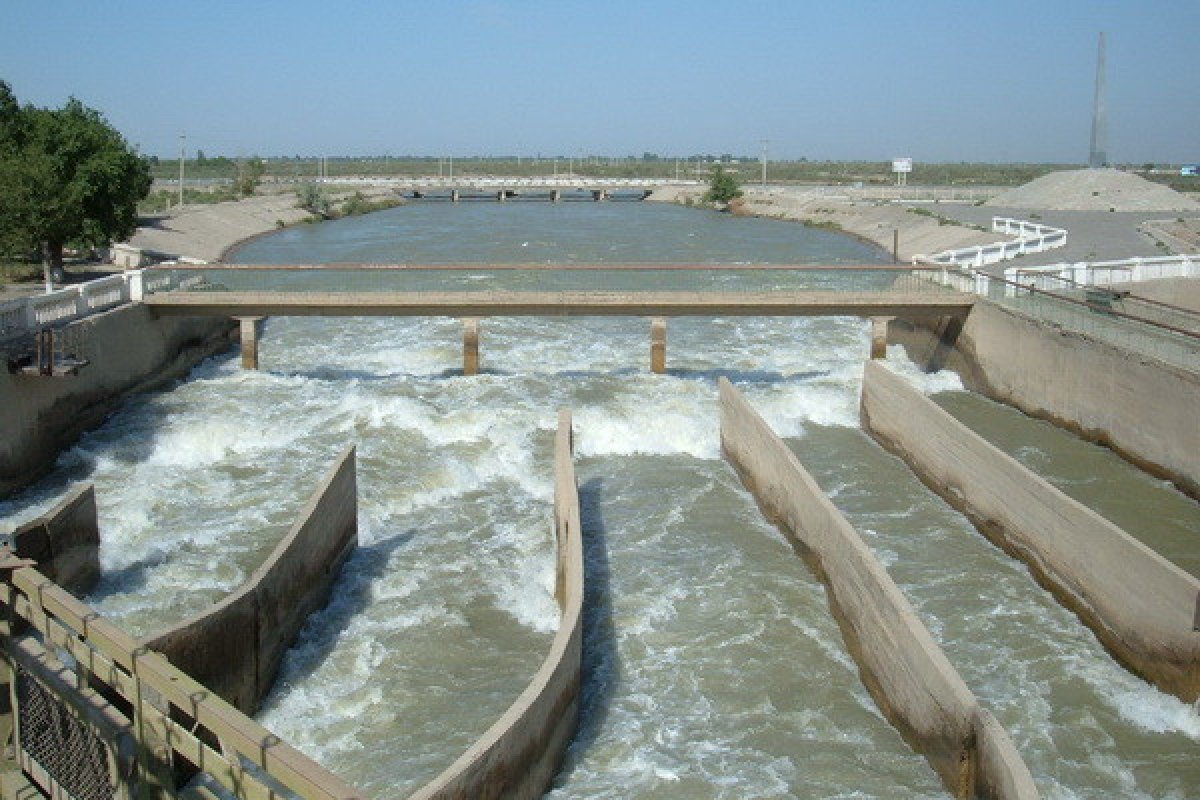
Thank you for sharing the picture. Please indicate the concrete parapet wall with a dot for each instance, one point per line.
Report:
(65, 541)
(906, 672)
(235, 647)
(129, 351)
(1141, 606)
(1145, 410)
(518, 756)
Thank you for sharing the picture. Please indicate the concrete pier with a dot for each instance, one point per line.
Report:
(658, 345)
(471, 346)
(555, 195)
(251, 329)
(879, 330)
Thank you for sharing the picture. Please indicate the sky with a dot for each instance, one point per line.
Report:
(834, 79)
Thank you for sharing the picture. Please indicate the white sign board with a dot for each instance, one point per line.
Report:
(901, 165)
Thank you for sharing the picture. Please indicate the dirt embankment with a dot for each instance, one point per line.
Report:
(206, 232)
(922, 230)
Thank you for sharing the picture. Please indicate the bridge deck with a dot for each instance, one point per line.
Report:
(908, 304)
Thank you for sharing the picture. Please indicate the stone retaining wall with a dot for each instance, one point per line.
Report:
(906, 672)
(129, 350)
(1141, 606)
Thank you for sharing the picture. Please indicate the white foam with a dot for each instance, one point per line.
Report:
(945, 380)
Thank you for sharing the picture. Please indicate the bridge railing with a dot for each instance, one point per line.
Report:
(1172, 337)
(96, 715)
(632, 278)
(25, 315)
(1107, 273)
(1032, 237)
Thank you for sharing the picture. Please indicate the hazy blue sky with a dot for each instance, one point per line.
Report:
(937, 80)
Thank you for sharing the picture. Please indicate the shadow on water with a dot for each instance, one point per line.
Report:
(601, 669)
(351, 595)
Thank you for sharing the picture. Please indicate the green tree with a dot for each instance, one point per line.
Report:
(249, 176)
(312, 198)
(723, 188)
(66, 177)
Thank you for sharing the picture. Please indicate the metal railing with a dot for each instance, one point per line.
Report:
(1098, 314)
(633, 278)
(1110, 273)
(149, 720)
(1032, 237)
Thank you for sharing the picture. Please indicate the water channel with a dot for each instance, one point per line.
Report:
(713, 666)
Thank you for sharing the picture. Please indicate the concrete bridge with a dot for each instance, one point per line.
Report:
(907, 296)
(553, 188)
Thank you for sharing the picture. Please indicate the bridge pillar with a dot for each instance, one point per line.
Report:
(599, 194)
(454, 195)
(500, 196)
(555, 195)
(879, 331)
(251, 329)
(658, 345)
(471, 346)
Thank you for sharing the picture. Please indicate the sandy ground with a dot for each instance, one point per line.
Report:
(875, 221)
(1094, 190)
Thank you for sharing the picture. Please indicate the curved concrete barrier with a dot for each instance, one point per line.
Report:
(65, 541)
(234, 648)
(519, 754)
(904, 669)
(1145, 410)
(1143, 608)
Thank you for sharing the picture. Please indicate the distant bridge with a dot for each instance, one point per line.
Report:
(554, 188)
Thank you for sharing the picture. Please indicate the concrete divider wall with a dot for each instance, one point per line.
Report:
(235, 646)
(518, 756)
(129, 350)
(1145, 410)
(1141, 606)
(900, 664)
(65, 541)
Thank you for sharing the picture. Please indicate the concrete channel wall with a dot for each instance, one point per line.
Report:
(906, 672)
(1141, 606)
(235, 647)
(1143, 409)
(129, 350)
(518, 756)
(65, 541)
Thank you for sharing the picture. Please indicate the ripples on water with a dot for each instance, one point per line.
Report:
(713, 666)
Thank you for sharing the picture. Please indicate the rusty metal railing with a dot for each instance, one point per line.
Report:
(155, 725)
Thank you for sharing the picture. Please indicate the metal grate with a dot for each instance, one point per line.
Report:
(68, 749)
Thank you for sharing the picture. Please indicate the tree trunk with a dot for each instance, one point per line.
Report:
(52, 264)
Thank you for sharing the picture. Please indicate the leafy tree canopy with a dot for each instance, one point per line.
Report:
(66, 177)
(723, 188)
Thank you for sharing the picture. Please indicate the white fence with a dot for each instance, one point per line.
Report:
(28, 314)
(1031, 238)
(1106, 273)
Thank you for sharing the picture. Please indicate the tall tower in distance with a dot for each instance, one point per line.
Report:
(1098, 156)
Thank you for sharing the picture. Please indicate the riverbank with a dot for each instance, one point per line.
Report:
(209, 232)
(919, 231)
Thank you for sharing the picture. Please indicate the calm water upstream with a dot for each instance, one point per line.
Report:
(714, 669)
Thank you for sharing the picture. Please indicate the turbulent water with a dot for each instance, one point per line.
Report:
(713, 666)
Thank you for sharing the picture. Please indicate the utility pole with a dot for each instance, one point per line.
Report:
(450, 159)
(765, 142)
(182, 143)
(1098, 154)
